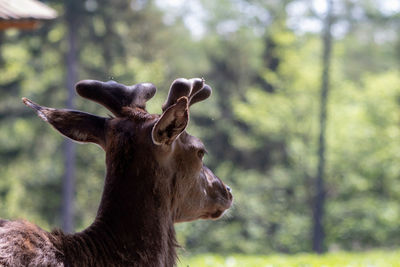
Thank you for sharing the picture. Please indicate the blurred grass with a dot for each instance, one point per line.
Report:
(373, 258)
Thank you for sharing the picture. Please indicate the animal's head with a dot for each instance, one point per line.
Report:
(148, 152)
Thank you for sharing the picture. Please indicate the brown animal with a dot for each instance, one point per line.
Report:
(155, 177)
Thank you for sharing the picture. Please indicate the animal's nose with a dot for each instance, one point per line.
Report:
(229, 190)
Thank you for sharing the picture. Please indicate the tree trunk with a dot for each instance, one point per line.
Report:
(319, 200)
(1, 52)
(69, 146)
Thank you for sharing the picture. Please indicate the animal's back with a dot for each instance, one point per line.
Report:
(25, 244)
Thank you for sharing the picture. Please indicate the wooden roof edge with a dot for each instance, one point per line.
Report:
(25, 9)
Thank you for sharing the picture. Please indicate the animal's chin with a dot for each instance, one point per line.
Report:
(215, 215)
(218, 213)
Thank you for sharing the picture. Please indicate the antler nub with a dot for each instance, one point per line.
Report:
(197, 84)
(142, 93)
(201, 95)
(194, 89)
(180, 87)
(114, 96)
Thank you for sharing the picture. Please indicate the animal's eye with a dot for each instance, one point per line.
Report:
(200, 153)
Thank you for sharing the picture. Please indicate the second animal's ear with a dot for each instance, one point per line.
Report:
(172, 123)
(77, 125)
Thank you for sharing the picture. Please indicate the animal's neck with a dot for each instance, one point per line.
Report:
(133, 226)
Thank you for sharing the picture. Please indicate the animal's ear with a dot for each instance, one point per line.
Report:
(172, 123)
(77, 125)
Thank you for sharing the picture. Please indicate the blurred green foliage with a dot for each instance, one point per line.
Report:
(336, 259)
(260, 126)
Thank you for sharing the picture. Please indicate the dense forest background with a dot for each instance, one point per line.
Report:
(264, 60)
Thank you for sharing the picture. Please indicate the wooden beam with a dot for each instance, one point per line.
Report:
(19, 24)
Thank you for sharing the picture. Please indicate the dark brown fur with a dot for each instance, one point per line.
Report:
(149, 186)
